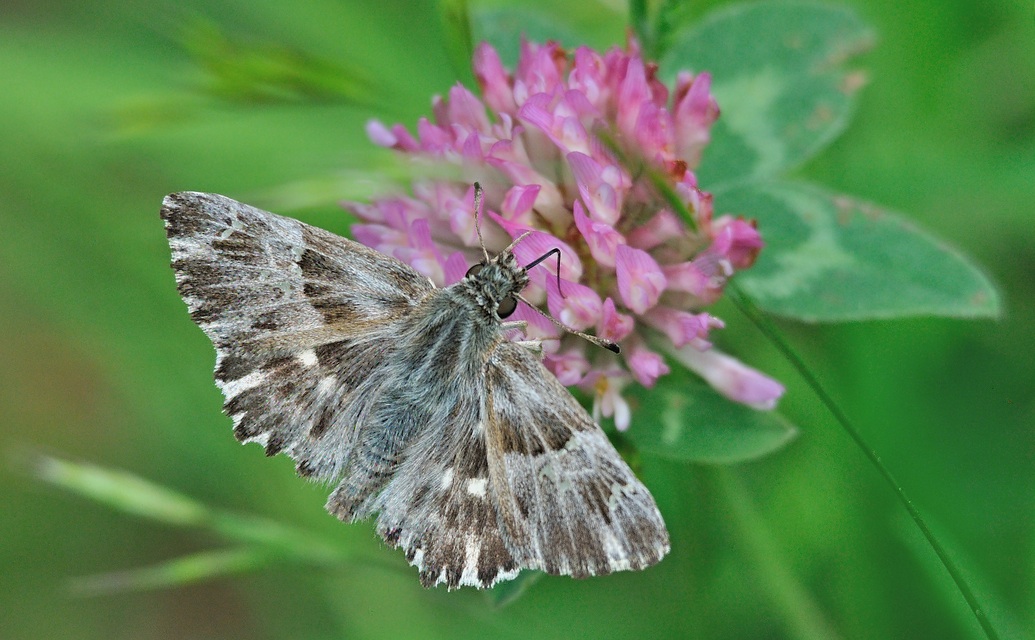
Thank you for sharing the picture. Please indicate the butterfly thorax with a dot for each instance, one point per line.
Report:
(450, 335)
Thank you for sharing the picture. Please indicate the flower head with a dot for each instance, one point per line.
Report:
(547, 142)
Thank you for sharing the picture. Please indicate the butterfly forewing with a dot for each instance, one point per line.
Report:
(300, 319)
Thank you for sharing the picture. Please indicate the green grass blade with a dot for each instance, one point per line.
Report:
(749, 309)
(122, 491)
(181, 571)
(132, 494)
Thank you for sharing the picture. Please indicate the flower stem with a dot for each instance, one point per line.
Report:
(749, 309)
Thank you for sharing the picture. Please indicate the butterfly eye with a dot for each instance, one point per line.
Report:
(506, 307)
(474, 270)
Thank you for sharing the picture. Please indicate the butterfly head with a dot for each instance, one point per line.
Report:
(498, 283)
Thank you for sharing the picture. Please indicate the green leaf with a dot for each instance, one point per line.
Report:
(778, 76)
(505, 27)
(831, 258)
(683, 418)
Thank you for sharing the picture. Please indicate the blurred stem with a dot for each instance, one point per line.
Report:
(275, 536)
(803, 615)
(131, 494)
(459, 39)
(174, 573)
(749, 309)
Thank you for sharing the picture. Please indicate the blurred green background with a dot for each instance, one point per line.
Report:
(107, 106)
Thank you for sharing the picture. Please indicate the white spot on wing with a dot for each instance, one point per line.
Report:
(307, 358)
(261, 438)
(472, 550)
(476, 486)
(234, 388)
(326, 384)
(447, 478)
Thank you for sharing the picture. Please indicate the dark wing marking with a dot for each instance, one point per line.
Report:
(568, 504)
(301, 320)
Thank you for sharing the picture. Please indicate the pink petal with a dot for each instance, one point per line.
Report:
(632, 93)
(607, 401)
(646, 366)
(538, 70)
(732, 378)
(539, 328)
(588, 76)
(661, 228)
(519, 201)
(455, 268)
(380, 135)
(467, 110)
(433, 139)
(378, 236)
(557, 122)
(688, 277)
(602, 239)
(575, 305)
(744, 241)
(682, 327)
(511, 160)
(569, 366)
(420, 235)
(599, 187)
(653, 132)
(493, 79)
(695, 112)
(640, 280)
(472, 149)
(613, 326)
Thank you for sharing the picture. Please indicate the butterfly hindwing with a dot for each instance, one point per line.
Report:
(438, 506)
(300, 319)
(568, 504)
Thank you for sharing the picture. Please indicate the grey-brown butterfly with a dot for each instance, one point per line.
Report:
(409, 398)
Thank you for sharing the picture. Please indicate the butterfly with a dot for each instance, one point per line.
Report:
(407, 397)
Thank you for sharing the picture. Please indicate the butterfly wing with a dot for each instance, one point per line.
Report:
(438, 506)
(301, 320)
(518, 477)
(567, 502)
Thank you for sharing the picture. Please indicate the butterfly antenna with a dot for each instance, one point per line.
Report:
(600, 342)
(477, 213)
(514, 244)
(554, 251)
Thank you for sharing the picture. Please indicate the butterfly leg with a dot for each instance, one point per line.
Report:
(535, 346)
(520, 325)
